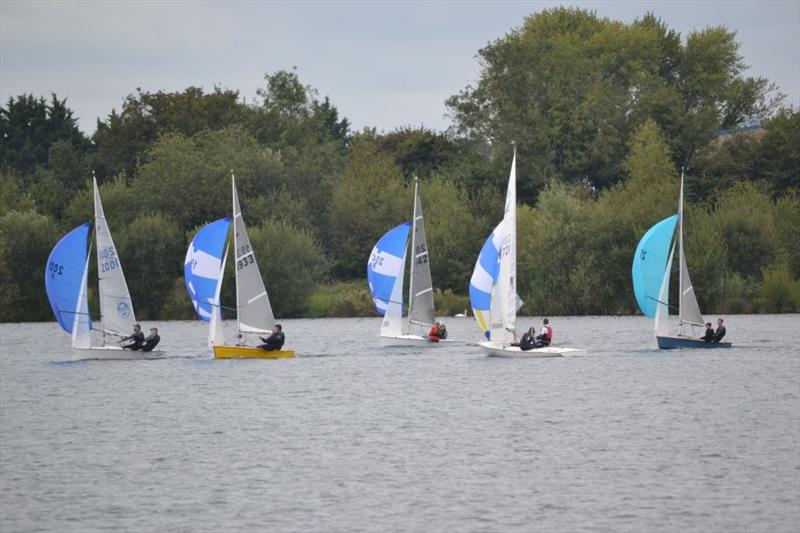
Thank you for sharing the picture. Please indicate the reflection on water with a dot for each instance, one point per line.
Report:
(351, 437)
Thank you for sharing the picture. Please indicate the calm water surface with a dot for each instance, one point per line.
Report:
(348, 437)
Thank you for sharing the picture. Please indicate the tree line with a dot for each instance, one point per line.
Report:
(604, 115)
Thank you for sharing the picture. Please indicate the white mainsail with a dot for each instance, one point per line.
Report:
(420, 290)
(254, 313)
(116, 307)
(504, 302)
(688, 309)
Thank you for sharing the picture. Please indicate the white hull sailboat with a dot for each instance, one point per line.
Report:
(66, 283)
(652, 263)
(203, 272)
(385, 271)
(493, 287)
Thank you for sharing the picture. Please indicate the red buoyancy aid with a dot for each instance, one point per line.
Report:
(549, 333)
(433, 334)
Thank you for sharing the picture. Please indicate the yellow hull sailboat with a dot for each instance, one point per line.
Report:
(203, 270)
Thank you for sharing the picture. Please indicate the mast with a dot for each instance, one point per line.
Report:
(680, 255)
(413, 257)
(97, 238)
(235, 254)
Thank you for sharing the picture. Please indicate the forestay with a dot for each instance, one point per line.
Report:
(420, 298)
(252, 302)
(484, 278)
(203, 270)
(65, 282)
(116, 307)
(650, 263)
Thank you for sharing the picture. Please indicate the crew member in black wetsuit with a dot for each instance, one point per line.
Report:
(528, 340)
(151, 341)
(720, 333)
(275, 341)
(709, 335)
(137, 337)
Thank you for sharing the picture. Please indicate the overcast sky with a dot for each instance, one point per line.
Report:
(384, 64)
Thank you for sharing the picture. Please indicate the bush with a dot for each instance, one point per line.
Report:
(341, 299)
(448, 303)
(779, 290)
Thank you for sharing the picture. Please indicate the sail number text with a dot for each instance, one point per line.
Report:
(108, 259)
(421, 253)
(55, 268)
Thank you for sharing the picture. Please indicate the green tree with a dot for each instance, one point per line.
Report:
(151, 249)
(22, 265)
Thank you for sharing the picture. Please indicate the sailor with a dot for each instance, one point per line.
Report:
(275, 341)
(545, 336)
(151, 341)
(720, 333)
(709, 335)
(442, 331)
(434, 333)
(137, 337)
(528, 340)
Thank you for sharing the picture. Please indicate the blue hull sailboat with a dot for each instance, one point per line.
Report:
(650, 271)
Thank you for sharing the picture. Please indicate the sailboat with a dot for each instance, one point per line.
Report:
(203, 271)
(66, 284)
(651, 268)
(385, 271)
(493, 286)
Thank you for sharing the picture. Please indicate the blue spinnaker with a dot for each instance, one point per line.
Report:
(386, 263)
(484, 277)
(63, 275)
(650, 262)
(202, 269)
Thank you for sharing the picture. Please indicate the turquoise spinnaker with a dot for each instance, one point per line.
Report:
(650, 262)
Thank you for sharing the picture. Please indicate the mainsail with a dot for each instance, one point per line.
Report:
(689, 310)
(504, 300)
(385, 270)
(254, 313)
(203, 268)
(65, 281)
(649, 263)
(484, 278)
(420, 290)
(116, 308)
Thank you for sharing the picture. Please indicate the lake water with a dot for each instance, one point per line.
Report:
(348, 437)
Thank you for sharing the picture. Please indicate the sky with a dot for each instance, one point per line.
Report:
(383, 64)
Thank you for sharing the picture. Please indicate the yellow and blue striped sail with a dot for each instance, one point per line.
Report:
(484, 278)
(650, 262)
(386, 264)
(64, 278)
(202, 269)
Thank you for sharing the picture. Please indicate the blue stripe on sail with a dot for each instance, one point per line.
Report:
(484, 277)
(650, 262)
(202, 267)
(386, 263)
(64, 274)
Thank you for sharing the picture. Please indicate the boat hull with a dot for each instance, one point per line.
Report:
(494, 350)
(114, 353)
(407, 340)
(666, 342)
(250, 352)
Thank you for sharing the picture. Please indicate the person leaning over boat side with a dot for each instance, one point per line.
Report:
(442, 331)
(275, 341)
(433, 334)
(137, 337)
(151, 341)
(720, 333)
(709, 335)
(545, 336)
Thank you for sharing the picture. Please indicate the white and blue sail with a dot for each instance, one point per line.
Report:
(385, 270)
(203, 268)
(66, 283)
(484, 279)
(651, 260)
